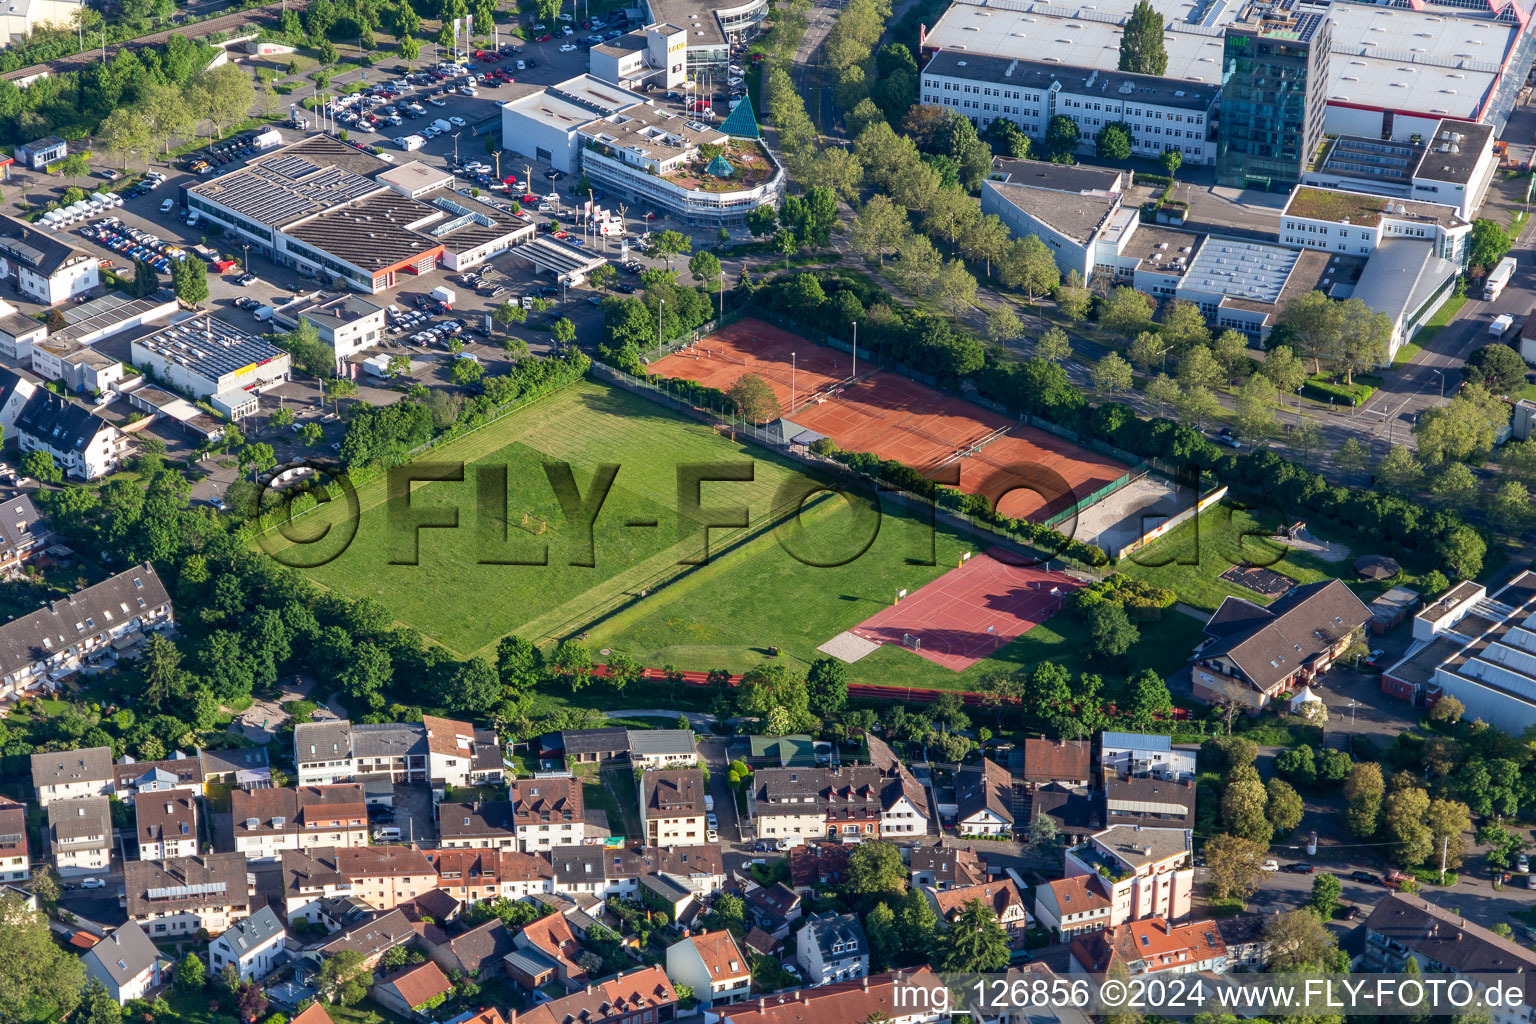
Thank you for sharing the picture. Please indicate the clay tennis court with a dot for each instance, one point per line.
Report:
(755, 346)
(970, 612)
(897, 418)
(1017, 461)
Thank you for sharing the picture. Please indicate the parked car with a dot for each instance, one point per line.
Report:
(93, 883)
(1271, 865)
(1364, 876)
(1348, 913)
(1298, 868)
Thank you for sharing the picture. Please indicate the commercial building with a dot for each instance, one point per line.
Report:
(642, 154)
(1451, 166)
(1256, 653)
(213, 360)
(43, 268)
(654, 56)
(45, 646)
(1406, 280)
(39, 153)
(82, 444)
(1143, 872)
(1160, 113)
(1480, 649)
(348, 323)
(1355, 223)
(321, 206)
(1275, 63)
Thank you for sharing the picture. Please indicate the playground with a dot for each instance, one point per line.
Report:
(971, 611)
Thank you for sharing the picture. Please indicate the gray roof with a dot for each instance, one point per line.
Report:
(61, 424)
(1401, 276)
(673, 793)
(838, 928)
(93, 764)
(1078, 217)
(1061, 177)
(38, 251)
(186, 883)
(1453, 151)
(123, 954)
(662, 741)
(476, 819)
(78, 819)
(595, 741)
(374, 936)
(1446, 938)
(235, 759)
(1131, 844)
(1288, 634)
(665, 887)
(184, 770)
(1040, 76)
(249, 933)
(389, 739)
(322, 741)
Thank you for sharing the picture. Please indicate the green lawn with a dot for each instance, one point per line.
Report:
(464, 593)
(1191, 559)
(1444, 315)
(728, 613)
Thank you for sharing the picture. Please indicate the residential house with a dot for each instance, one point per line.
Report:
(712, 965)
(547, 813)
(595, 746)
(241, 767)
(314, 1014)
(434, 905)
(186, 894)
(371, 937)
(384, 876)
(82, 444)
(1038, 977)
(1067, 763)
(672, 807)
(126, 963)
(15, 855)
(469, 876)
(1256, 653)
(818, 864)
(640, 996)
(178, 774)
(1076, 812)
(666, 894)
(603, 872)
(256, 946)
(1138, 755)
(23, 530)
(831, 947)
(662, 748)
(760, 942)
(460, 755)
(44, 267)
(268, 821)
(941, 867)
(1150, 946)
(476, 826)
(167, 826)
(554, 947)
(794, 804)
(773, 908)
(476, 953)
(70, 774)
(413, 992)
(1243, 935)
(80, 835)
(1146, 871)
(904, 801)
(896, 998)
(1405, 925)
(106, 619)
(1150, 801)
(1002, 897)
(17, 334)
(984, 800)
(1071, 906)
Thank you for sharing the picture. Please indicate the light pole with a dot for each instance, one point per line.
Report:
(660, 305)
(455, 148)
(247, 263)
(855, 373)
(1441, 375)
(791, 382)
(722, 291)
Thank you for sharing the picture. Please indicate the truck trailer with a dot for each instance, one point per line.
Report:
(1495, 282)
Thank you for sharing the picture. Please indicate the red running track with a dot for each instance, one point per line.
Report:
(970, 612)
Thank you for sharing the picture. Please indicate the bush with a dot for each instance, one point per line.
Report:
(1343, 394)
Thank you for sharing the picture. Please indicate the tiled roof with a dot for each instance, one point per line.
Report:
(1077, 895)
(62, 767)
(165, 816)
(479, 947)
(830, 929)
(84, 818)
(546, 800)
(124, 953)
(186, 883)
(645, 989)
(418, 984)
(721, 957)
(673, 793)
(448, 737)
(989, 787)
(41, 634)
(1276, 641)
(251, 932)
(1152, 942)
(998, 897)
(1049, 760)
(308, 869)
(848, 1002)
(552, 935)
(314, 1015)
(187, 770)
(1446, 938)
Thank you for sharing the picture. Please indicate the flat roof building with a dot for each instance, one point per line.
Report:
(211, 359)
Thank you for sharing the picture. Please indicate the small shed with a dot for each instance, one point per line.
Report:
(1391, 608)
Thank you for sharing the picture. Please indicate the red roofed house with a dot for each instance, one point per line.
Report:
(413, 992)
(1070, 906)
(314, 1015)
(1001, 897)
(891, 998)
(1152, 946)
(552, 936)
(642, 996)
(711, 964)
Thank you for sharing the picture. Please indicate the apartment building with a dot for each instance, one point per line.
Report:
(80, 835)
(166, 826)
(72, 774)
(880, 997)
(184, 895)
(1149, 947)
(383, 876)
(641, 996)
(178, 774)
(791, 803)
(107, 619)
(84, 445)
(1071, 906)
(1145, 872)
(672, 807)
(269, 821)
(474, 876)
(603, 872)
(1046, 762)
(438, 750)
(831, 948)
(476, 826)
(546, 813)
(458, 754)
(1002, 897)
(15, 855)
(1144, 755)
(255, 946)
(43, 267)
(903, 801)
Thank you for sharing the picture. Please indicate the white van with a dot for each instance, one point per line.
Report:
(388, 834)
(192, 219)
(166, 205)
